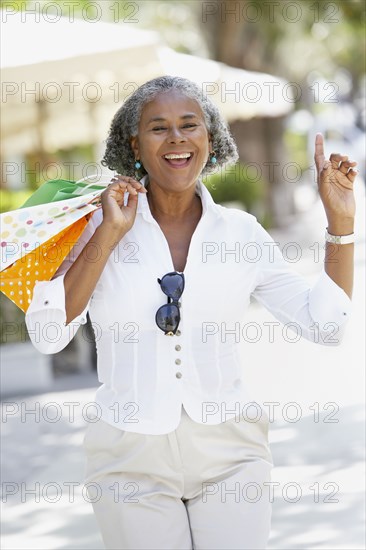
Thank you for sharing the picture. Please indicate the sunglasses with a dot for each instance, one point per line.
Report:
(168, 316)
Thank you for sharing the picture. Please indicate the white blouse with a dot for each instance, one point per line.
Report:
(146, 375)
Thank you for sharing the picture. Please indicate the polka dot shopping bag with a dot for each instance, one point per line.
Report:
(35, 239)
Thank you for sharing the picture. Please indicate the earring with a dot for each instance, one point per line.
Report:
(213, 159)
(137, 164)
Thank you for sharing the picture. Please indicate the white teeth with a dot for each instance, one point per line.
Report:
(181, 156)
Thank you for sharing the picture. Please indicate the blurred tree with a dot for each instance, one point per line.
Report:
(237, 42)
(290, 40)
(241, 184)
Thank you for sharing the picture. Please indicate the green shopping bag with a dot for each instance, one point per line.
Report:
(59, 190)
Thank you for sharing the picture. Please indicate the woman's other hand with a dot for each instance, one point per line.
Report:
(116, 215)
(335, 182)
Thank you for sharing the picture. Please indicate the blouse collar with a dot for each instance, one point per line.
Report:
(208, 204)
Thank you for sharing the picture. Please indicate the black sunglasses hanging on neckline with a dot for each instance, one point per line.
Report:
(168, 316)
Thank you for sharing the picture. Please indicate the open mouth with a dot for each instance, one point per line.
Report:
(178, 160)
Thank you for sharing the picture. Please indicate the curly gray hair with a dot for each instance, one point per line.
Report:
(119, 155)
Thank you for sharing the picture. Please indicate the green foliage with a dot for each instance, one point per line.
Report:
(12, 200)
(239, 183)
(65, 5)
(13, 4)
(12, 324)
(105, 10)
(296, 145)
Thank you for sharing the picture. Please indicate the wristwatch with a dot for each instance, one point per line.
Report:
(339, 239)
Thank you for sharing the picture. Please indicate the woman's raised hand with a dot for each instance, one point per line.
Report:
(116, 215)
(336, 177)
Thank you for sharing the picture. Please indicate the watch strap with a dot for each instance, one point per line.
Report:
(339, 239)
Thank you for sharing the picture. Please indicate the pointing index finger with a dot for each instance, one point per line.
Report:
(319, 150)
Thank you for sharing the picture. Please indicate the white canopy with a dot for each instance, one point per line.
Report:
(62, 82)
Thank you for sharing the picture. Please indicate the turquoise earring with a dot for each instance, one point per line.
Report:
(137, 164)
(213, 159)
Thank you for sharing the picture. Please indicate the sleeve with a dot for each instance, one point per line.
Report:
(318, 313)
(46, 316)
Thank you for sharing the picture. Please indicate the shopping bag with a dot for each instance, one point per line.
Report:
(58, 190)
(36, 239)
(18, 280)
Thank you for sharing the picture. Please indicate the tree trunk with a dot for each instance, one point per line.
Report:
(235, 42)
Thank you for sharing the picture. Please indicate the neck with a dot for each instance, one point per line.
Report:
(173, 206)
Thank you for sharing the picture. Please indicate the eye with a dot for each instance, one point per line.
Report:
(190, 125)
(160, 128)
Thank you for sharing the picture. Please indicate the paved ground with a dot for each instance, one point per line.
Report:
(319, 499)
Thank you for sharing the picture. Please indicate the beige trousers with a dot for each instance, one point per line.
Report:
(199, 487)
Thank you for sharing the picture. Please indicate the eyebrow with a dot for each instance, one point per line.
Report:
(161, 119)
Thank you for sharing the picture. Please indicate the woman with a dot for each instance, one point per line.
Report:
(179, 456)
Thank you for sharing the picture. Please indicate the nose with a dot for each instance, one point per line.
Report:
(175, 135)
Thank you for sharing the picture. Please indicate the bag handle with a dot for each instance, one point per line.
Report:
(101, 184)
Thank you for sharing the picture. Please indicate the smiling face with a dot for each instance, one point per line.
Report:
(172, 125)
